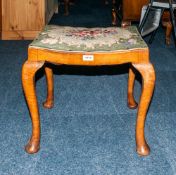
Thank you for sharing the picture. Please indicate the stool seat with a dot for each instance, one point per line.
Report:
(80, 39)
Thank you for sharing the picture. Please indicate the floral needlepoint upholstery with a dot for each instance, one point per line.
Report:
(64, 38)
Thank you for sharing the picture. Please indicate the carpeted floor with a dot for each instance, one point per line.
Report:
(90, 130)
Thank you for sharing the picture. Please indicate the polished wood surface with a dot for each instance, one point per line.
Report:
(50, 88)
(28, 74)
(139, 59)
(148, 77)
(131, 9)
(25, 19)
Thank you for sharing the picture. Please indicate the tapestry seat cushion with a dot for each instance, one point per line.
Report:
(80, 39)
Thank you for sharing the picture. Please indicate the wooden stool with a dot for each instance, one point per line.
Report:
(88, 47)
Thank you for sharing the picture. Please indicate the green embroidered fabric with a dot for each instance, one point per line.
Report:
(80, 39)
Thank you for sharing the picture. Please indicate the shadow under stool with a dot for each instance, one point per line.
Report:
(80, 46)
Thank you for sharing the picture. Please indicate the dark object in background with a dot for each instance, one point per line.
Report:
(152, 21)
(66, 4)
(116, 12)
(153, 8)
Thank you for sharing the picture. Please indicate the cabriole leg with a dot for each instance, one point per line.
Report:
(50, 88)
(148, 81)
(131, 101)
(28, 81)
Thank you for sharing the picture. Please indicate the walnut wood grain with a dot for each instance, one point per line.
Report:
(148, 81)
(100, 58)
(28, 81)
(50, 88)
(131, 9)
(131, 101)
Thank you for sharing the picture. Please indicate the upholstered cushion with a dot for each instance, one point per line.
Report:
(64, 38)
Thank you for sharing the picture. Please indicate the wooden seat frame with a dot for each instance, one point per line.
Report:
(138, 58)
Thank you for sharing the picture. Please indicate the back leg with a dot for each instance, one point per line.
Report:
(50, 88)
(131, 101)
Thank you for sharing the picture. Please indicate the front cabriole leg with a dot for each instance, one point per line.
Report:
(148, 81)
(28, 81)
